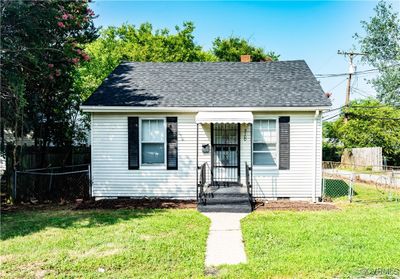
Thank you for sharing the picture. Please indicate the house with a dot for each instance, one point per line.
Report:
(162, 129)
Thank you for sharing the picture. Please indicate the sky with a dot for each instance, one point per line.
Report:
(309, 30)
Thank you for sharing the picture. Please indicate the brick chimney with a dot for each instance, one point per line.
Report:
(245, 58)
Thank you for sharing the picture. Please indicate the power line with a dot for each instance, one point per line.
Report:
(368, 71)
(326, 62)
(359, 92)
(337, 85)
(333, 109)
(345, 74)
(328, 117)
(371, 94)
(373, 117)
(362, 117)
(331, 117)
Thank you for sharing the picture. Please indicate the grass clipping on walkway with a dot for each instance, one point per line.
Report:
(103, 243)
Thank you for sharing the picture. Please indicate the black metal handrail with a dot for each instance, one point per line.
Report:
(249, 185)
(202, 183)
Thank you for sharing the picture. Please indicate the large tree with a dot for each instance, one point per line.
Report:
(230, 49)
(41, 44)
(142, 44)
(370, 123)
(381, 42)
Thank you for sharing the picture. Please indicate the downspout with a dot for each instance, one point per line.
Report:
(91, 155)
(251, 159)
(314, 189)
(197, 161)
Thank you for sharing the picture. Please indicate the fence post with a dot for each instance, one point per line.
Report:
(90, 181)
(14, 190)
(351, 187)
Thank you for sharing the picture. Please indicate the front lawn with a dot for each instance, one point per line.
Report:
(361, 239)
(358, 240)
(103, 243)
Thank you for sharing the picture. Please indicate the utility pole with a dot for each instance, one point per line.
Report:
(352, 70)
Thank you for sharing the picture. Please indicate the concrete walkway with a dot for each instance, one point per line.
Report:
(225, 242)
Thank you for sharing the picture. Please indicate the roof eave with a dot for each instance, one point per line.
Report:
(86, 108)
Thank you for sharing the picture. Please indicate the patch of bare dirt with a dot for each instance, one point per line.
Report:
(211, 271)
(102, 204)
(136, 204)
(35, 269)
(6, 258)
(31, 207)
(96, 253)
(294, 206)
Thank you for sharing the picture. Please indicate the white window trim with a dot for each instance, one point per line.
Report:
(266, 167)
(152, 166)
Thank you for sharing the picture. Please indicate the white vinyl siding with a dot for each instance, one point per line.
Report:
(298, 181)
(112, 178)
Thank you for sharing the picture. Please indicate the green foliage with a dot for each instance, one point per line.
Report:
(382, 44)
(230, 49)
(141, 44)
(144, 44)
(41, 45)
(332, 149)
(328, 131)
(370, 124)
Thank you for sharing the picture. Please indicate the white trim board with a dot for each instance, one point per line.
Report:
(194, 109)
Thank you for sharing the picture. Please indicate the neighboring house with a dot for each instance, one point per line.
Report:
(153, 125)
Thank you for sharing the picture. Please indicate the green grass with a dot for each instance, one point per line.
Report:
(359, 240)
(126, 243)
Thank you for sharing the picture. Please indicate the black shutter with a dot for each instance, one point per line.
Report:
(284, 143)
(172, 143)
(133, 143)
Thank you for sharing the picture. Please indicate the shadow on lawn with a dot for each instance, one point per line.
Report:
(14, 224)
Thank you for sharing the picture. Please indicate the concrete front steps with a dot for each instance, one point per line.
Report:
(231, 199)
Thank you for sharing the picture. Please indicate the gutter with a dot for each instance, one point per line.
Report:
(131, 109)
(314, 189)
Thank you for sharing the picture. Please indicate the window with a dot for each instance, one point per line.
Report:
(265, 142)
(153, 141)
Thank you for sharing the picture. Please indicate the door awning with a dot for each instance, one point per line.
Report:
(224, 117)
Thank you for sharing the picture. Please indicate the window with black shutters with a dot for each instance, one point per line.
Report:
(153, 142)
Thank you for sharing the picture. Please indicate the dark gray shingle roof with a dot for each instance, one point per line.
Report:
(210, 84)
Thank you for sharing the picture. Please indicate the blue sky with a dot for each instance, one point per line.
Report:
(310, 30)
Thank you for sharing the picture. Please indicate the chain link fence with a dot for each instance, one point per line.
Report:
(52, 184)
(360, 183)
